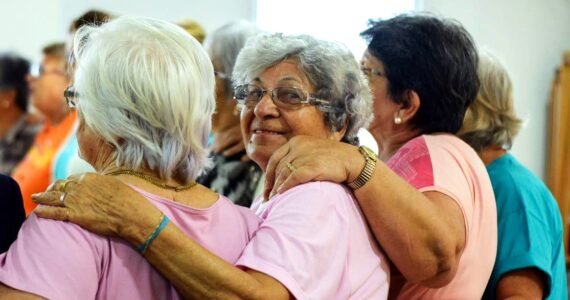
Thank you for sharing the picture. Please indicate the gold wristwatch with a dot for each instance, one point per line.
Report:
(366, 173)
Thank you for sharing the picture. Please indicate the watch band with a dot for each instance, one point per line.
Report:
(368, 169)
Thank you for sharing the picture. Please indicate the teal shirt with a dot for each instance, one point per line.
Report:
(530, 227)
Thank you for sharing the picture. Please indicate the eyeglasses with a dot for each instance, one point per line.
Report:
(71, 95)
(371, 71)
(249, 95)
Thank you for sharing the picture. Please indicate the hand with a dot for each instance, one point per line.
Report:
(311, 159)
(100, 204)
(229, 142)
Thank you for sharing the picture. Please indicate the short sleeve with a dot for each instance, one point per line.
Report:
(303, 240)
(53, 259)
(525, 243)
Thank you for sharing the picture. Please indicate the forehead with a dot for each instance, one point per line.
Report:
(286, 71)
(51, 61)
(371, 61)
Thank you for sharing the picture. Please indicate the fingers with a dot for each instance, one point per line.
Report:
(51, 198)
(52, 212)
(270, 170)
(297, 177)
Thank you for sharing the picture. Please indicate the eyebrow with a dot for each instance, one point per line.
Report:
(286, 78)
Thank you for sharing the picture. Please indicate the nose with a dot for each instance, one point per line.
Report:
(265, 107)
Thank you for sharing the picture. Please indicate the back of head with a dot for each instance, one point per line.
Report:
(55, 50)
(330, 67)
(434, 57)
(224, 45)
(491, 119)
(194, 29)
(13, 72)
(147, 87)
(92, 17)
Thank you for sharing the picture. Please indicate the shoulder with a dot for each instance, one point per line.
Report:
(314, 195)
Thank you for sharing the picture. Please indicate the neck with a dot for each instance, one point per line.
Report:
(8, 120)
(57, 118)
(389, 144)
(491, 153)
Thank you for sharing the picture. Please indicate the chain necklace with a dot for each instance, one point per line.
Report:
(154, 180)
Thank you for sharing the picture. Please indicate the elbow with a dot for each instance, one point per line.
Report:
(438, 268)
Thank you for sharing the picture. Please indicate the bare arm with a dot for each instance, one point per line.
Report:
(194, 271)
(423, 234)
(521, 284)
(7, 292)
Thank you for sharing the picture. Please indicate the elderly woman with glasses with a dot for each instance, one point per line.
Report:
(144, 92)
(313, 242)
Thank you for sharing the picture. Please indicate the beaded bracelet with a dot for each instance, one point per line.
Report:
(163, 222)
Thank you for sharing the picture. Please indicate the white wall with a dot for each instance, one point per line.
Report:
(28, 25)
(529, 36)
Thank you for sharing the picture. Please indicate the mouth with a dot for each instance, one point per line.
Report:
(266, 131)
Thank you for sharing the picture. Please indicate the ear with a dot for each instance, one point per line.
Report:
(410, 106)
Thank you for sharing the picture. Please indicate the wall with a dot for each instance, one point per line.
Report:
(28, 25)
(529, 36)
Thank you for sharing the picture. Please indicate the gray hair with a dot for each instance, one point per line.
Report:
(224, 45)
(330, 68)
(147, 87)
(491, 119)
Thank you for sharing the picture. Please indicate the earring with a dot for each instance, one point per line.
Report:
(397, 120)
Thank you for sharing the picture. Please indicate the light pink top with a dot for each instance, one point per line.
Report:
(315, 241)
(60, 260)
(445, 164)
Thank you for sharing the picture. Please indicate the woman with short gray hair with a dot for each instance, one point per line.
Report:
(313, 242)
(144, 92)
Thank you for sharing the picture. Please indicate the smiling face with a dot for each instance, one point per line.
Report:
(266, 127)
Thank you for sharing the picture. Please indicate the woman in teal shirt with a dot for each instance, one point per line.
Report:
(530, 256)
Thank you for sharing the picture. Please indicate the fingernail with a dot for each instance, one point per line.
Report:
(34, 196)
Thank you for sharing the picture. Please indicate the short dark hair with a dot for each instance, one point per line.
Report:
(434, 57)
(91, 17)
(13, 72)
(54, 49)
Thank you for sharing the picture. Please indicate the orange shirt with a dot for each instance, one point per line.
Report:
(33, 172)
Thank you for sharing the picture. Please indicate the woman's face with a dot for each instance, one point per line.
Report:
(266, 127)
(384, 108)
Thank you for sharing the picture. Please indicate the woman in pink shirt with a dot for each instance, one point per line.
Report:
(144, 92)
(313, 242)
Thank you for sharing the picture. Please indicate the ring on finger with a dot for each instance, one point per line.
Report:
(64, 184)
(62, 199)
(291, 167)
(67, 215)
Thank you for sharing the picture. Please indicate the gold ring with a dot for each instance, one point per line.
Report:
(66, 215)
(62, 199)
(64, 184)
(291, 167)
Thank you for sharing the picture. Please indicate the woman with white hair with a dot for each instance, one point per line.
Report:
(313, 242)
(530, 261)
(144, 92)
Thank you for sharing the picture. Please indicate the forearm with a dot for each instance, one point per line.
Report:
(193, 270)
(411, 229)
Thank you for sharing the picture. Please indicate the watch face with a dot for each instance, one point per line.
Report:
(369, 153)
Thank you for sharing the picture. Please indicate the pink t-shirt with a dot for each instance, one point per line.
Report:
(446, 164)
(315, 241)
(60, 260)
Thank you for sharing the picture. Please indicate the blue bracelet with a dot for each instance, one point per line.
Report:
(164, 221)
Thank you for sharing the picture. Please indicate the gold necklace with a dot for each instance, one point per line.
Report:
(154, 180)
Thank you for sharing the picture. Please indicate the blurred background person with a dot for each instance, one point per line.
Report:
(33, 173)
(194, 29)
(17, 131)
(231, 176)
(66, 161)
(12, 213)
(530, 261)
